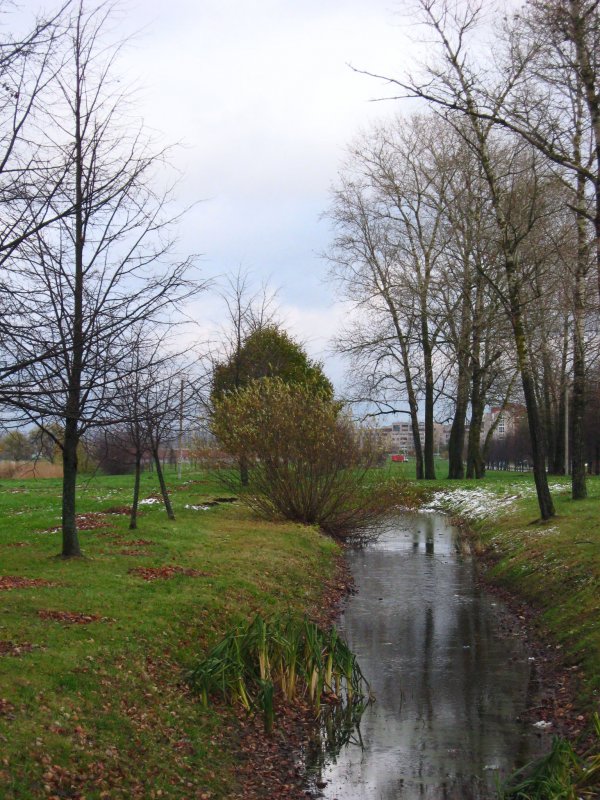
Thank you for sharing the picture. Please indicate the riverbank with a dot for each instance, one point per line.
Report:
(93, 651)
(549, 572)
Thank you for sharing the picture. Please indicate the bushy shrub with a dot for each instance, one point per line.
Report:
(307, 461)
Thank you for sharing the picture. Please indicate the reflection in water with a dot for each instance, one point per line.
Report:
(449, 688)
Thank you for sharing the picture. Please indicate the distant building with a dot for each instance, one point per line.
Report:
(398, 437)
(508, 418)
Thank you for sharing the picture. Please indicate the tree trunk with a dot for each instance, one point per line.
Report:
(558, 468)
(70, 540)
(475, 460)
(163, 485)
(244, 471)
(428, 366)
(536, 430)
(410, 390)
(578, 479)
(136, 492)
(70, 544)
(548, 406)
(456, 443)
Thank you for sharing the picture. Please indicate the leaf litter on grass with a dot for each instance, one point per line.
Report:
(165, 573)
(72, 617)
(10, 582)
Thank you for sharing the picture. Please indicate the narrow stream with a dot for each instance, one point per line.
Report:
(449, 682)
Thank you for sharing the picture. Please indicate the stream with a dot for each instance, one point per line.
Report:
(449, 681)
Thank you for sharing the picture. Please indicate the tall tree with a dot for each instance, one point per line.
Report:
(452, 84)
(104, 265)
(389, 244)
(544, 87)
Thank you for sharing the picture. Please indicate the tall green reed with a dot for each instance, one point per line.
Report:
(288, 654)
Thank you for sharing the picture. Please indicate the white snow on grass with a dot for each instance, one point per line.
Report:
(478, 503)
(197, 508)
(149, 501)
(470, 503)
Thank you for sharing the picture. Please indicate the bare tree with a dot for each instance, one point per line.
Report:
(387, 252)
(165, 394)
(453, 85)
(543, 86)
(106, 264)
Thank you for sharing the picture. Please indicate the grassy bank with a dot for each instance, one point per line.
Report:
(554, 565)
(92, 651)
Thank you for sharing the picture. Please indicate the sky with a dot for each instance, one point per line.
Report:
(262, 98)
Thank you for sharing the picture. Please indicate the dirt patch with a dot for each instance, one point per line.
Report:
(17, 544)
(72, 617)
(119, 541)
(133, 552)
(165, 573)
(91, 521)
(8, 648)
(9, 582)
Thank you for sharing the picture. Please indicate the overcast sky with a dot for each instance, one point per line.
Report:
(261, 95)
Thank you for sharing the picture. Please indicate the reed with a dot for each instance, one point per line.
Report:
(287, 655)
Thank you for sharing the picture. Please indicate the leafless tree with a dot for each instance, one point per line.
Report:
(543, 86)
(165, 393)
(386, 255)
(105, 264)
(454, 86)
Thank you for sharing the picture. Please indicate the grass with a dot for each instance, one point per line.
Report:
(92, 703)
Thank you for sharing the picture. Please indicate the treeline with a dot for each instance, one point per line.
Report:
(468, 235)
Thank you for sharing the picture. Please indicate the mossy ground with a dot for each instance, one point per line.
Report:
(98, 708)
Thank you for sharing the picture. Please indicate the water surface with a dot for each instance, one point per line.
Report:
(450, 682)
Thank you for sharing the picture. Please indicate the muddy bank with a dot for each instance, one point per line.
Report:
(559, 696)
(272, 767)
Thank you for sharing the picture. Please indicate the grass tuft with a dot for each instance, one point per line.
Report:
(289, 653)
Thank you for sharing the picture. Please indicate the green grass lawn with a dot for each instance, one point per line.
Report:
(91, 661)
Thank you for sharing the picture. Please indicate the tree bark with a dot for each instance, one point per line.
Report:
(70, 544)
(536, 430)
(136, 492)
(428, 368)
(558, 468)
(244, 471)
(475, 459)
(70, 540)
(456, 443)
(578, 478)
(163, 485)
